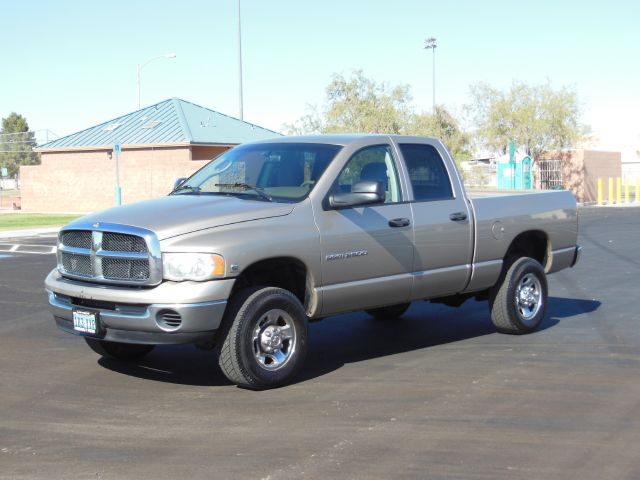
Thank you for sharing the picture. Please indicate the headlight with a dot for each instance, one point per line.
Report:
(192, 266)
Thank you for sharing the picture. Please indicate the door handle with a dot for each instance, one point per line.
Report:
(399, 222)
(458, 216)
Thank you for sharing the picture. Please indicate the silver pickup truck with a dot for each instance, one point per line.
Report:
(270, 235)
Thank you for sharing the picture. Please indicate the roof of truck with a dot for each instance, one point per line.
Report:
(342, 138)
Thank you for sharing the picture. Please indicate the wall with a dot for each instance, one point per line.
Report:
(582, 168)
(600, 165)
(84, 181)
(206, 153)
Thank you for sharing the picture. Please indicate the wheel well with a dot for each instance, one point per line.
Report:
(532, 244)
(282, 272)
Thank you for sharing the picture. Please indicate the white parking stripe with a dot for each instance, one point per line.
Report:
(27, 248)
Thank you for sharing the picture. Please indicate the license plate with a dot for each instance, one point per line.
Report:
(86, 322)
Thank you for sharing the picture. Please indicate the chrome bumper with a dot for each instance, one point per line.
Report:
(136, 316)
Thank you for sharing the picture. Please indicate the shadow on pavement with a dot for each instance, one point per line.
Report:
(348, 338)
(560, 308)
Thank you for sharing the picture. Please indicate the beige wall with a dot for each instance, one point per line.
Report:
(600, 165)
(582, 168)
(84, 181)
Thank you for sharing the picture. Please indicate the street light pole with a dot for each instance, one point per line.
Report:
(141, 66)
(240, 61)
(430, 43)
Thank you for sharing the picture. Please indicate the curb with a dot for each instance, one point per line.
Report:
(31, 232)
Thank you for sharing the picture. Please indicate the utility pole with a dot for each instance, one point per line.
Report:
(430, 43)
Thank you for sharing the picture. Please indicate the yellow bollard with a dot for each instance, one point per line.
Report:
(610, 192)
(626, 193)
(618, 190)
(600, 191)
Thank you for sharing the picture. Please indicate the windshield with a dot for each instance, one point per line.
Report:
(268, 171)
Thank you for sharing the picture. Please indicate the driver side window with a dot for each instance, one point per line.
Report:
(371, 163)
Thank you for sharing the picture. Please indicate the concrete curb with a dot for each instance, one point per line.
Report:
(30, 232)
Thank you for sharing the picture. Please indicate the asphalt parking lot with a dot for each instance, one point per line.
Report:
(437, 394)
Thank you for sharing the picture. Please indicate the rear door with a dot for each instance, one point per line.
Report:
(367, 251)
(441, 221)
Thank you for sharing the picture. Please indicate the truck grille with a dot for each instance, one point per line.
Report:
(78, 264)
(124, 269)
(131, 256)
(117, 242)
(77, 239)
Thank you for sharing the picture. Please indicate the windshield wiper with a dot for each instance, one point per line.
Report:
(195, 190)
(246, 186)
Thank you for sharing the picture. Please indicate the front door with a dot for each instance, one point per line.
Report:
(367, 251)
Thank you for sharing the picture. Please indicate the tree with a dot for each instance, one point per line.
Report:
(444, 126)
(360, 105)
(16, 144)
(537, 117)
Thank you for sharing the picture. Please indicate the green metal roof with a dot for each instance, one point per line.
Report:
(170, 122)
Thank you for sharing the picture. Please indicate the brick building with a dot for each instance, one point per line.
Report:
(578, 171)
(159, 143)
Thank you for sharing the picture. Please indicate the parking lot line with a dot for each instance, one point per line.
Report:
(27, 248)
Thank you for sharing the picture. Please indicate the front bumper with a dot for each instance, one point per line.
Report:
(171, 313)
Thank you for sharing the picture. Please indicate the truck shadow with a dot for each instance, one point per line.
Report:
(350, 338)
(357, 337)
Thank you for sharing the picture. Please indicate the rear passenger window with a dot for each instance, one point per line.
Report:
(427, 172)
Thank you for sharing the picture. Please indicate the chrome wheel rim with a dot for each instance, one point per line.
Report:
(528, 297)
(274, 339)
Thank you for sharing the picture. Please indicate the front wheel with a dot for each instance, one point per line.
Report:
(118, 350)
(519, 300)
(265, 338)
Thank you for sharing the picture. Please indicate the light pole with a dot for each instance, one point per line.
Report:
(430, 43)
(141, 66)
(240, 60)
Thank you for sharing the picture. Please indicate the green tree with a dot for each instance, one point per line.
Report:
(360, 105)
(16, 144)
(537, 117)
(442, 125)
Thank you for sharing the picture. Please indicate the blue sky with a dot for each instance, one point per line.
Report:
(68, 65)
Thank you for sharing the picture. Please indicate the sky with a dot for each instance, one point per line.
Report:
(68, 65)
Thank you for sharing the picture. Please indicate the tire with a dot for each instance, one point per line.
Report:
(263, 343)
(518, 301)
(388, 313)
(117, 350)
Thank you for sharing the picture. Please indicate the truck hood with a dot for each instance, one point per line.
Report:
(180, 214)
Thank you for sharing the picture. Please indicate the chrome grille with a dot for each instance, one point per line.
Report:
(125, 269)
(77, 239)
(118, 242)
(116, 254)
(78, 264)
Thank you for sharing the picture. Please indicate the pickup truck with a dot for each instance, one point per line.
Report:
(240, 256)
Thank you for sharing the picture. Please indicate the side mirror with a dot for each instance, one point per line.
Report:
(178, 182)
(365, 192)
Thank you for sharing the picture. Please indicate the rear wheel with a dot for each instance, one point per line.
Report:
(519, 300)
(117, 350)
(265, 338)
(388, 313)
